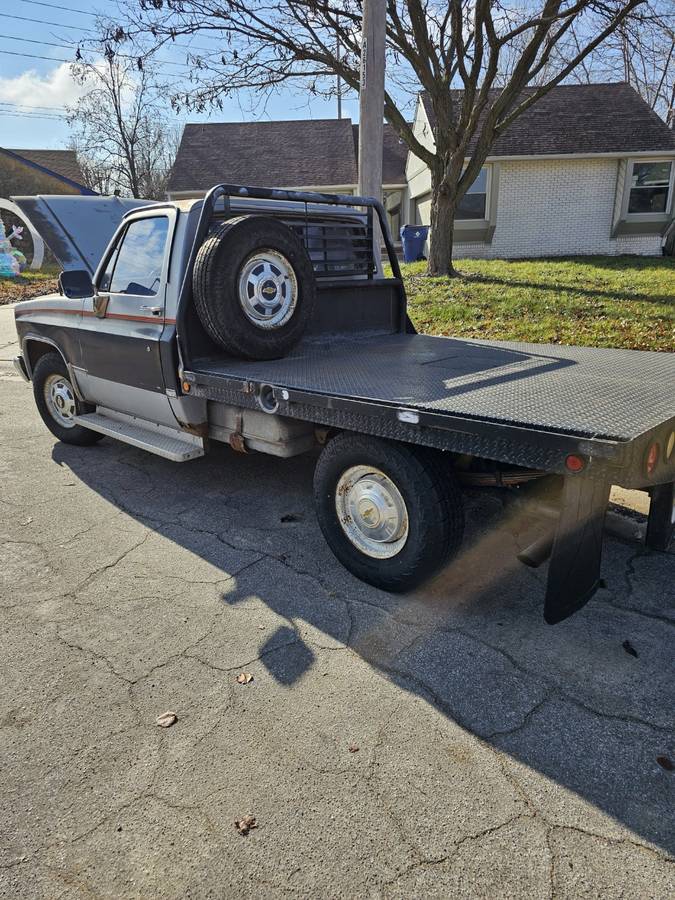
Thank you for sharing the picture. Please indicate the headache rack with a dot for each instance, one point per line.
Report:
(340, 243)
(339, 246)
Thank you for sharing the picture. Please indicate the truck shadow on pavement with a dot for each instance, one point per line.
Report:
(568, 702)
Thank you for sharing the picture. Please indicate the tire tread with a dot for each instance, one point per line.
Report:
(434, 491)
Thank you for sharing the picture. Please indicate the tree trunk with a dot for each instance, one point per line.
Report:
(443, 203)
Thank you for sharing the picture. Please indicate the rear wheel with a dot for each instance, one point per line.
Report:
(57, 402)
(392, 514)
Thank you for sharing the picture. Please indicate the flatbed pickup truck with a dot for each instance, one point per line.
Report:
(262, 318)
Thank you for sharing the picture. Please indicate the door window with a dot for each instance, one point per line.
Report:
(135, 267)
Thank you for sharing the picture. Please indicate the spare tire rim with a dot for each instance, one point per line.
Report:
(372, 512)
(268, 289)
(60, 400)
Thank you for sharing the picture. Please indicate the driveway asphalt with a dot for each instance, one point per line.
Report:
(445, 743)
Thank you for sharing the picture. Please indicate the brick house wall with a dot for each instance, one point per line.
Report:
(558, 181)
(558, 207)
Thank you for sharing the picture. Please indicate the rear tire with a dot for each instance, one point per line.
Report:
(253, 287)
(57, 402)
(392, 514)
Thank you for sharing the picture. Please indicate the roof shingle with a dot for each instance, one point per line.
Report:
(62, 162)
(394, 155)
(306, 153)
(582, 118)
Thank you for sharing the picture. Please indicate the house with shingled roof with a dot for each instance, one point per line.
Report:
(588, 169)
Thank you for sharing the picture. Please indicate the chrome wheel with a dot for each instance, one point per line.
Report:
(268, 289)
(372, 512)
(60, 400)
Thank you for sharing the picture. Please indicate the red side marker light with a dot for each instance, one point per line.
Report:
(575, 463)
(652, 458)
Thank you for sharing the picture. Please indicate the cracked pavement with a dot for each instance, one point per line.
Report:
(497, 756)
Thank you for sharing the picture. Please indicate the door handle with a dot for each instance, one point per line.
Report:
(155, 310)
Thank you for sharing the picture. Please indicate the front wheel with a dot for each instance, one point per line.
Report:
(390, 513)
(57, 402)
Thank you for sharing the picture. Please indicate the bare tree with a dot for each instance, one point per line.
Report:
(121, 129)
(482, 63)
(642, 53)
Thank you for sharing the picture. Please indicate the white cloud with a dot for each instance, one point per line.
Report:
(56, 88)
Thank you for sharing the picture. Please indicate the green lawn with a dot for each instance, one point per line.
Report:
(595, 301)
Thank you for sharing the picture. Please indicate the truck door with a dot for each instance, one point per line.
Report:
(123, 321)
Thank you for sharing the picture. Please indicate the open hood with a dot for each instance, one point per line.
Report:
(77, 229)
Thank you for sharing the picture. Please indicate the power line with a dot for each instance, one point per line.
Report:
(90, 30)
(35, 56)
(158, 59)
(83, 12)
(14, 37)
(180, 75)
(32, 116)
(28, 105)
(56, 24)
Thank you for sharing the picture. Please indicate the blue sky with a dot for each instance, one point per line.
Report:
(28, 84)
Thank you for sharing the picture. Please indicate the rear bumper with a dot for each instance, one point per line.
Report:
(20, 366)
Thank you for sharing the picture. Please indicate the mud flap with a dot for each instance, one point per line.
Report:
(574, 569)
(661, 521)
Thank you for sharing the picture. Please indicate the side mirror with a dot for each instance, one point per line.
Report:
(76, 284)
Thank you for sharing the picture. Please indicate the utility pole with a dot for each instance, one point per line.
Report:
(338, 53)
(371, 101)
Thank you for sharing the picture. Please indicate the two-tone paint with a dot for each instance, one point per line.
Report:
(124, 358)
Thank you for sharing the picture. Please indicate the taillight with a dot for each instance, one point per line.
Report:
(574, 463)
(652, 458)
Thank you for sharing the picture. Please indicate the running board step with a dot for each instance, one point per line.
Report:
(154, 438)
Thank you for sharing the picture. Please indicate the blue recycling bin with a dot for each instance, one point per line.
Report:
(413, 238)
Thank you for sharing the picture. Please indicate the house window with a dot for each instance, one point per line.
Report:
(473, 204)
(650, 186)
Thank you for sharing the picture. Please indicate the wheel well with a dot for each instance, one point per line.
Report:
(36, 348)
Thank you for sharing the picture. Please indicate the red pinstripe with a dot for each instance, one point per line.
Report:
(90, 314)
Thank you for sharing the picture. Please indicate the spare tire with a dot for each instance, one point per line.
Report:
(253, 287)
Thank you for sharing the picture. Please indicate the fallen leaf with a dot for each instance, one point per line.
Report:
(167, 719)
(666, 763)
(291, 517)
(629, 648)
(244, 678)
(244, 825)
(353, 748)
